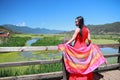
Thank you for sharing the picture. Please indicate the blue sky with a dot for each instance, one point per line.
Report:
(58, 14)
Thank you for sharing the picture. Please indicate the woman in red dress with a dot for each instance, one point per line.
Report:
(81, 58)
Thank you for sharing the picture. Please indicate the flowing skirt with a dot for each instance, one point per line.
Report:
(81, 61)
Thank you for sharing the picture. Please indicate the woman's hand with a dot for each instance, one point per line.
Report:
(67, 43)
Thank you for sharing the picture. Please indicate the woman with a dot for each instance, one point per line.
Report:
(80, 60)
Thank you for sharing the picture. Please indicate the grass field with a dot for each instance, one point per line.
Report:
(104, 41)
(97, 39)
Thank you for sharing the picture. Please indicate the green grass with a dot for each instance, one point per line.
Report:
(48, 41)
(24, 70)
(104, 41)
(112, 60)
(14, 41)
(36, 35)
(54, 39)
(34, 69)
(37, 55)
(11, 57)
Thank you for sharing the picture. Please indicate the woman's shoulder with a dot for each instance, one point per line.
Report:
(77, 29)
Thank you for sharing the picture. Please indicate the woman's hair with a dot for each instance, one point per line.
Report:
(81, 23)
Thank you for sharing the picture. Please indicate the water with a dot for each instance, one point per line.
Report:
(31, 41)
(109, 50)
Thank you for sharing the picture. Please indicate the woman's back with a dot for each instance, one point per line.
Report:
(80, 40)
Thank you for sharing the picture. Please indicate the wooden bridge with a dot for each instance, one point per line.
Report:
(109, 72)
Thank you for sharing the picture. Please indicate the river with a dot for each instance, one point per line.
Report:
(40, 55)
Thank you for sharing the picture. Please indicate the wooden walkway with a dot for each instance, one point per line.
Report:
(107, 75)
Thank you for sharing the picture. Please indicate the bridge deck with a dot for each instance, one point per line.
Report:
(107, 75)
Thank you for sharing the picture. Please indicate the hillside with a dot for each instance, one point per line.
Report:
(28, 30)
(111, 28)
(5, 30)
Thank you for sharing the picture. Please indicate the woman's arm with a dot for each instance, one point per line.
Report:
(74, 36)
(89, 38)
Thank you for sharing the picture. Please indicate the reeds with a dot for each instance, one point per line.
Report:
(34, 69)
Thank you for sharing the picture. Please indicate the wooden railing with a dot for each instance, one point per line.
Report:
(59, 74)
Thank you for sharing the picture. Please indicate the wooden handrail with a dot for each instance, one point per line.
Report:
(39, 48)
(27, 48)
(108, 45)
(26, 63)
(35, 76)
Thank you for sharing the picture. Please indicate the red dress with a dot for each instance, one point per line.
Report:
(80, 43)
(81, 60)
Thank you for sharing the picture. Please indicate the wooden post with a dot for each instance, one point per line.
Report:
(119, 57)
(65, 73)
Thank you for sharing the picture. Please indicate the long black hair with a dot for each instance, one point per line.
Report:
(81, 23)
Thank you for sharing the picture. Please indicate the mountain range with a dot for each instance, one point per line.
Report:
(110, 28)
(28, 30)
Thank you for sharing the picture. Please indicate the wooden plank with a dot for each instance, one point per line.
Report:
(116, 72)
(107, 75)
(119, 56)
(111, 75)
(26, 63)
(108, 45)
(35, 76)
(27, 48)
(112, 55)
(108, 67)
(38, 48)
(65, 73)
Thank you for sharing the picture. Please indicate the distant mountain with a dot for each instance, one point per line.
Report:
(28, 30)
(5, 30)
(110, 28)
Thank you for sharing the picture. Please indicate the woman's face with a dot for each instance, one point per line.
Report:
(76, 22)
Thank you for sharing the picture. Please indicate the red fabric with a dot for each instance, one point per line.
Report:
(81, 77)
(79, 43)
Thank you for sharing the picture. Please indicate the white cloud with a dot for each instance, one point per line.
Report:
(21, 24)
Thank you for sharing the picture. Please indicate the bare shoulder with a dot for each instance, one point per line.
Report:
(77, 29)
